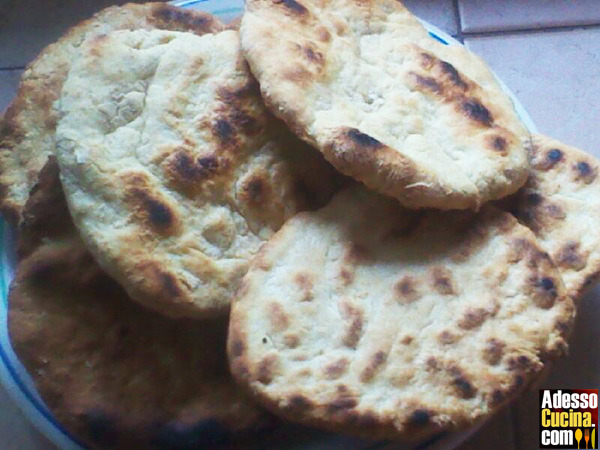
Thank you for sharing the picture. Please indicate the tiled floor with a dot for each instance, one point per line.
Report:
(9, 81)
(554, 72)
(494, 15)
(26, 26)
(440, 13)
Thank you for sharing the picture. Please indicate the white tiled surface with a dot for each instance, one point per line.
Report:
(556, 75)
(9, 80)
(437, 12)
(27, 26)
(21, 22)
(493, 15)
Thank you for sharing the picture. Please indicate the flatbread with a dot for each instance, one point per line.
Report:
(387, 104)
(367, 318)
(114, 374)
(561, 204)
(46, 213)
(27, 131)
(174, 172)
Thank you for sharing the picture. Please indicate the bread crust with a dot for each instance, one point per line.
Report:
(370, 319)
(174, 171)
(113, 373)
(386, 104)
(27, 129)
(560, 203)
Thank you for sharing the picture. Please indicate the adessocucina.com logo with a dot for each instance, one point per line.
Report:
(569, 418)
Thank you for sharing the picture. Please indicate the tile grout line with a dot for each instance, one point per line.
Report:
(458, 21)
(550, 29)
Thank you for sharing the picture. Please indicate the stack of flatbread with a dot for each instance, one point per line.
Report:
(326, 216)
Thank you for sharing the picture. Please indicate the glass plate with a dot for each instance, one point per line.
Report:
(20, 387)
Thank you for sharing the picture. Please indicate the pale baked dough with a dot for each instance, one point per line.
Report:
(27, 129)
(114, 374)
(173, 169)
(387, 104)
(561, 204)
(368, 318)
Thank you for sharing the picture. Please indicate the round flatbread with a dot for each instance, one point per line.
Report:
(27, 131)
(387, 104)
(561, 204)
(368, 318)
(45, 214)
(174, 172)
(113, 373)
